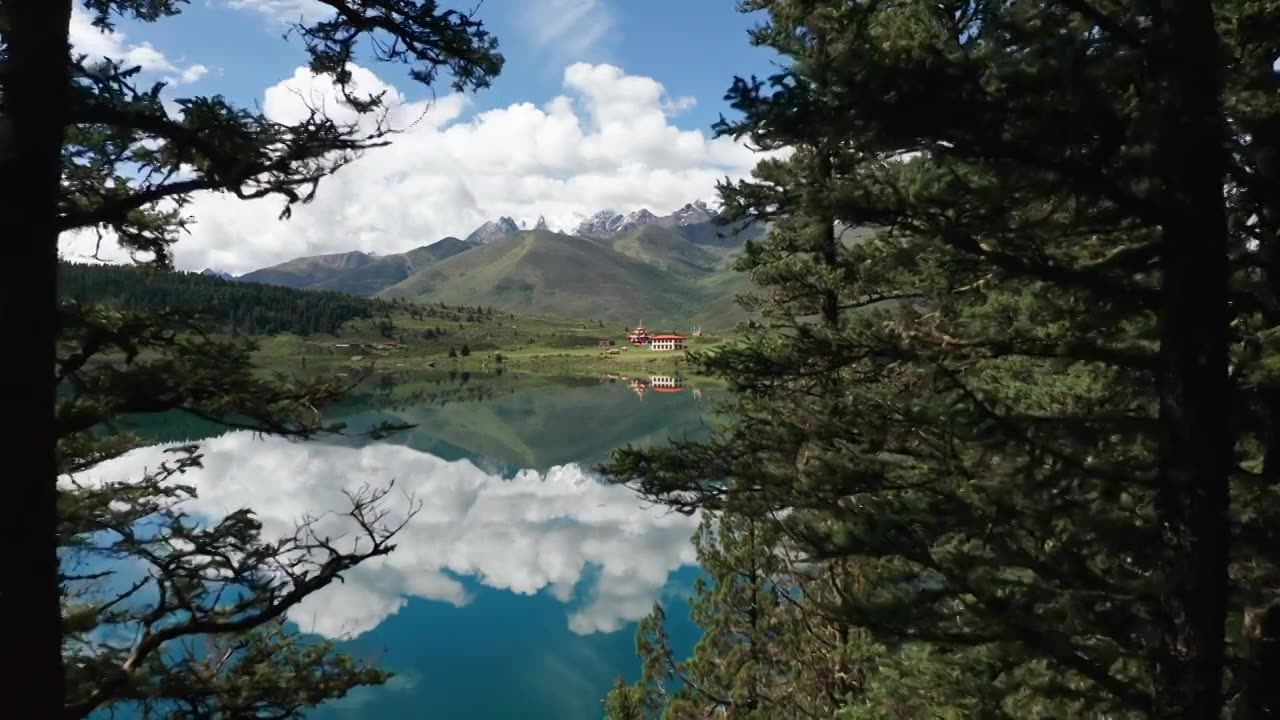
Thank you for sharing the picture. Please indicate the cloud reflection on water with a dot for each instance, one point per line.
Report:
(591, 545)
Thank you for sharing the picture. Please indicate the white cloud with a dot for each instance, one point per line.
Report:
(193, 73)
(286, 11)
(572, 28)
(607, 142)
(114, 45)
(533, 533)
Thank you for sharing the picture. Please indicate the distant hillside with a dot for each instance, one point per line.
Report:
(669, 251)
(673, 269)
(542, 272)
(248, 308)
(356, 273)
(650, 274)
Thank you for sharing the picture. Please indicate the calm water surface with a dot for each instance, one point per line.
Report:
(515, 590)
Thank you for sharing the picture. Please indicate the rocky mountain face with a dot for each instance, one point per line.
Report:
(493, 230)
(218, 274)
(608, 223)
(692, 214)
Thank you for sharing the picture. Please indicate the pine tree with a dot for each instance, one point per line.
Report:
(83, 145)
(1004, 394)
(761, 653)
(173, 638)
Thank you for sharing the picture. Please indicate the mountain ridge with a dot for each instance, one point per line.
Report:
(673, 268)
(355, 272)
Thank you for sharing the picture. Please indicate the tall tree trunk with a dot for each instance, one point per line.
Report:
(35, 80)
(1259, 698)
(1196, 458)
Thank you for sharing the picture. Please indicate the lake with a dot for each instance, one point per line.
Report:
(515, 590)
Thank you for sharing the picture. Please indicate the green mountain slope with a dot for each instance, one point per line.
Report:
(669, 250)
(544, 272)
(674, 271)
(356, 273)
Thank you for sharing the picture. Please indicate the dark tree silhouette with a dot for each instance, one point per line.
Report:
(83, 146)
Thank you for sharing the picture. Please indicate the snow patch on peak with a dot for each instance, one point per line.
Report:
(693, 213)
(602, 223)
(608, 223)
(641, 217)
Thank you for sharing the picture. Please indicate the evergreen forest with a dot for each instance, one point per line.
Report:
(239, 308)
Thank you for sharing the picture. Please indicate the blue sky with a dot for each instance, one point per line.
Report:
(638, 82)
(693, 47)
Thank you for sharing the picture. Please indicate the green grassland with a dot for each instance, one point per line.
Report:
(318, 331)
(412, 337)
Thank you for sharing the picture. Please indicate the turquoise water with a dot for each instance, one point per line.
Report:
(515, 589)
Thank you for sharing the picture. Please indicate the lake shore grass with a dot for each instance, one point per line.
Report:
(423, 338)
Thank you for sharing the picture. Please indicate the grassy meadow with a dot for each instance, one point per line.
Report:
(413, 337)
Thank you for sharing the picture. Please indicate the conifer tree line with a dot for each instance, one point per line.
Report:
(1011, 450)
(242, 308)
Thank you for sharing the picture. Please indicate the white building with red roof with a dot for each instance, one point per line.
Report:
(666, 342)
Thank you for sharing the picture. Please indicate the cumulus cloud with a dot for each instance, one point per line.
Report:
(607, 142)
(192, 73)
(536, 532)
(114, 45)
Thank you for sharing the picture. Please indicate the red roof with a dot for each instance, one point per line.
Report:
(667, 337)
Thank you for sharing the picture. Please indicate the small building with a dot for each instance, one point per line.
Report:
(638, 336)
(666, 342)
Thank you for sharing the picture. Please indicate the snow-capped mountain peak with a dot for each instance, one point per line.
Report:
(603, 224)
(693, 213)
(608, 223)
